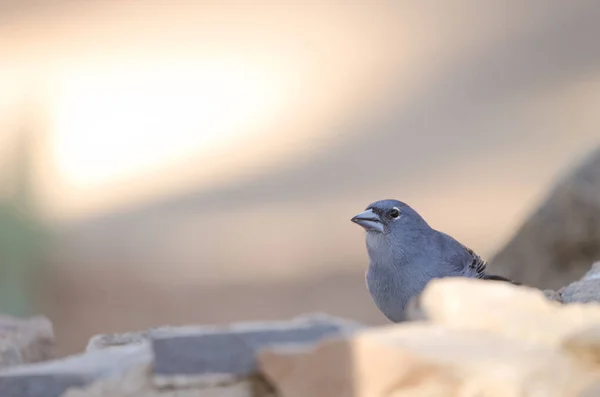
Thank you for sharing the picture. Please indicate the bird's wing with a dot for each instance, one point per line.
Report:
(471, 264)
(461, 258)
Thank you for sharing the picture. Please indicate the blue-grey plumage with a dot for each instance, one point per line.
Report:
(406, 253)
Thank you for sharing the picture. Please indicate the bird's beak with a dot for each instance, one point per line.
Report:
(369, 220)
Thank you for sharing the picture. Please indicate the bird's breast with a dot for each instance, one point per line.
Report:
(389, 291)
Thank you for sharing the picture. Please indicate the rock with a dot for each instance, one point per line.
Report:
(202, 361)
(586, 290)
(511, 311)
(419, 359)
(52, 378)
(592, 391)
(552, 295)
(475, 337)
(10, 355)
(136, 383)
(102, 341)
(556, 244)
(217, 355)
(584, 345)
(26, 340)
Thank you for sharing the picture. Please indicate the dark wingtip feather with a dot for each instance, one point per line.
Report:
(480, 266)
(499, 278)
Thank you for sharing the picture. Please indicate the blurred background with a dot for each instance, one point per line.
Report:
(176, 162)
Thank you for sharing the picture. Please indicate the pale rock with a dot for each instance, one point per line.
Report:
(511, 311)
(419, 360)
(585, 345)
(25, 340)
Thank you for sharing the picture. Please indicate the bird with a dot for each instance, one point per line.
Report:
(406, 253)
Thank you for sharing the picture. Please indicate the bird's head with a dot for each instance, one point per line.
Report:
(389, 217)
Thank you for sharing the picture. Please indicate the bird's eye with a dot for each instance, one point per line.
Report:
(394, 212)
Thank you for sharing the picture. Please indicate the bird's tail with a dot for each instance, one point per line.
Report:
(499, 278)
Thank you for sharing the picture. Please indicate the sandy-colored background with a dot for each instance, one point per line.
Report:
(200, 161)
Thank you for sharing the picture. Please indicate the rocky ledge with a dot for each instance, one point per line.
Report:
(473, 338)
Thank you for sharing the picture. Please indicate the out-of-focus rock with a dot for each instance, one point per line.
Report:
(476, 337)
(136, 383)
(53, 378)
(504, 309)
(585, 290)
(26, 340)
(552, 295)
(585, 345)
(103, 341)
(217, 355)
(206, 361)
(423, 360)
(556, 244)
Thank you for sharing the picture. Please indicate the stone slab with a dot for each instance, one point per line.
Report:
(53, 378)
(231, 350)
